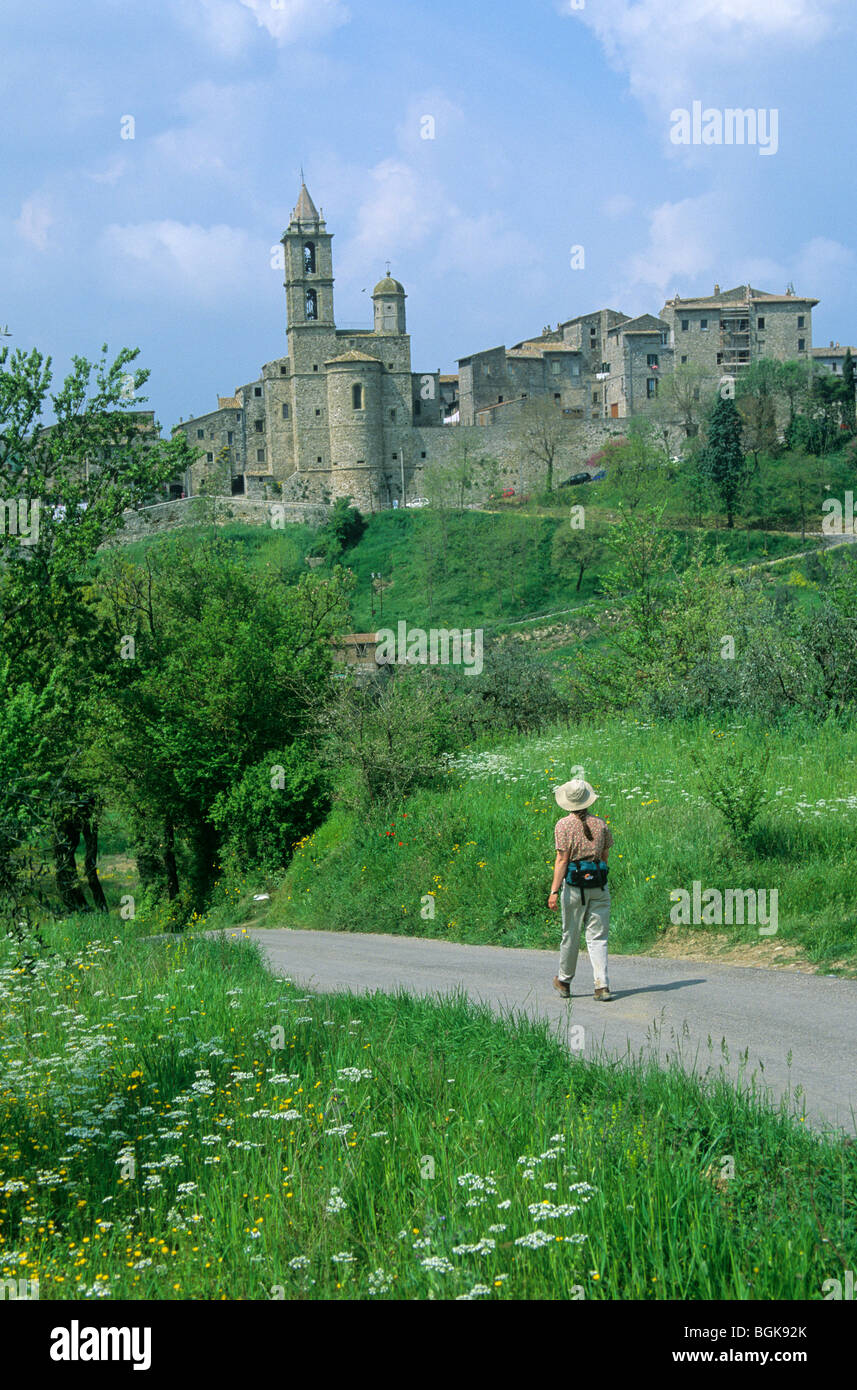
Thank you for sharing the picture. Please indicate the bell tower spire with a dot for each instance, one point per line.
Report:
(308, 260)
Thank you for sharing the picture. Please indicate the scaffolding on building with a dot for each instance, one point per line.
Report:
(734, 339)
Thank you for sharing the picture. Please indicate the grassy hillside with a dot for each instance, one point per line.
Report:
(473, 863)
(461, 570)
(268, 1144)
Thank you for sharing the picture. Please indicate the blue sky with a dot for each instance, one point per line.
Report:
(552, 126)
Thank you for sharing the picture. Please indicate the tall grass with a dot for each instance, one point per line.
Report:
(473, 862)
(175, 1123)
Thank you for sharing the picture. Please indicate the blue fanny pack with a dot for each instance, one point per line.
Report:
(586, 873)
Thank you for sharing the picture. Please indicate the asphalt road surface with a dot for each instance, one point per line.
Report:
(668, 1008)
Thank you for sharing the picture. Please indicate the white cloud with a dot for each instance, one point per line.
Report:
(665, 46)
(689, 250)
(222, 24)
(825, 266)
(35, 221)
(291, 20)
(190, 262)
(110, 173)
(408, 208)
(395, 212)
(684, 242)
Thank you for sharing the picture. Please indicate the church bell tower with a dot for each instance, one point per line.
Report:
(308, 259)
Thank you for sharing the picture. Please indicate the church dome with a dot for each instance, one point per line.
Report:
(388, 286)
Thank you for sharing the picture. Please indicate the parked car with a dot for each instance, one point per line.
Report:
(577, 478)
(418, 502)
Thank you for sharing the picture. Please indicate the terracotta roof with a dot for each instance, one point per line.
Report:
(449, 376)
(837, 351)
(228, 403)
(355, 637)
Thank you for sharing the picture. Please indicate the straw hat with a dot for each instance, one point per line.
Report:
(575, 795)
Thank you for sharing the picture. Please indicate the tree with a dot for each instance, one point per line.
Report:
(75, 477)
(541, 432)
(342, 530)
(579, 550)
(637, 464)
(722, 457)
(229, 666)
(661, 624)
(756, 402)
(685, 394)
(792, 383)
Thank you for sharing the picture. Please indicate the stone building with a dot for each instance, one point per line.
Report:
(343, 414)
(832, 359)
(732, 328)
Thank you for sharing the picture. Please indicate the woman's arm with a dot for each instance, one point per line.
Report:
(559, 871)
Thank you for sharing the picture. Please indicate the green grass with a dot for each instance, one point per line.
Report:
(473, 861)
(491, 569)
(411, 1130)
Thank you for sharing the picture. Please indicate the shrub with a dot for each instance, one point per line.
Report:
(277, 801)
(732, 780)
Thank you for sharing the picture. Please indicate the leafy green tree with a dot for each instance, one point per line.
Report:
(278, 800)
(661, 624)
(228, 664)
(515, 690)
(579, 550)
(722, 458)
(637, 465)
(341, 532)
(383, 739)
(71, 479)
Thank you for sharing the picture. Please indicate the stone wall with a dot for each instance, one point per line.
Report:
(213, 511)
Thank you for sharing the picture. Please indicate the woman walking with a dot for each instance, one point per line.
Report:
(584, 841)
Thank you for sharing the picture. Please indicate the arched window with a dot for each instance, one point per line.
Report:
(357, 396)
(311, 304)
(309, 258)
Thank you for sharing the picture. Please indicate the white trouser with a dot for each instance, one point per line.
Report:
(594, 916)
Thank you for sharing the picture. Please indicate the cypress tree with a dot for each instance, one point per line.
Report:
(722, 458)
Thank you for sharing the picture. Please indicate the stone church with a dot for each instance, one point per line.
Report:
(342, 414)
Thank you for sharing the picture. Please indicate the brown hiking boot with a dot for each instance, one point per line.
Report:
(562, 987)
(603, 994)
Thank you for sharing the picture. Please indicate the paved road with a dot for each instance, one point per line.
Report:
(663, 1007)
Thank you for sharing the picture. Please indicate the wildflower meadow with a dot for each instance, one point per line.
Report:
(177, 1123)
